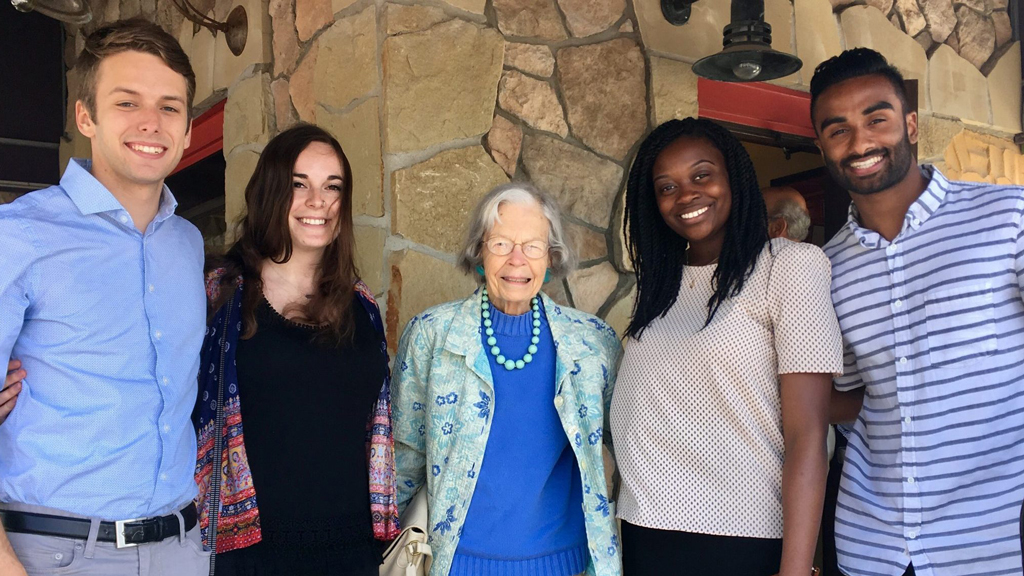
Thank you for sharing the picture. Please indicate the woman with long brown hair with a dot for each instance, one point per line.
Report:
(295, 349)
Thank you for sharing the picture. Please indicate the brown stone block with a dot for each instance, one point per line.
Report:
(284, 113)
(1004, 91)
(1004, 30)
(237, 173)
(591, 287)
(346, 65)
(532, 100)
(673, 90)
(817, 36)
(474, 6)
(604, 90)
(976, 36)
(440, 84)
(399, 18)
(529, 18)
(956, 87)
(587, 243)
(620, 236)
(586, 17)
(940, 17)
(431, 201)
(246, 113)
(913, 19)
(996, 162)
(504, 141)
(884, 6)
(935, 135)
(285, 39)
(584, 184)
(620, 314)
(202, 58)
(533, 59)
(556, 290)
(369, 256)
(311, 16)
(226, 66)
(865, 26)
(301, 85)
(418, 282)
(358, 132)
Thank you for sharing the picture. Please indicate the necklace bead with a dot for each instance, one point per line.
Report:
(495, 350)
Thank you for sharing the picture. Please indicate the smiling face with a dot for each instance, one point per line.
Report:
(317, 186)
(140, 127)
(864, 136)
(691, 187)
(512, 280)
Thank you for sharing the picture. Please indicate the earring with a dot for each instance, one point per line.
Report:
(480, 269)
(547, 276)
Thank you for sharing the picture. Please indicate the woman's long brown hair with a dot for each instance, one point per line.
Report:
(263, 233)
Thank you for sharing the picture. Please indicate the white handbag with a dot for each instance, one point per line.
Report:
(409, 554)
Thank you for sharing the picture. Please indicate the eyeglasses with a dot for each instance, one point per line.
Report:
(533, 249)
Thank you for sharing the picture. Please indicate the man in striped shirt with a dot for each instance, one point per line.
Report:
(926, 281)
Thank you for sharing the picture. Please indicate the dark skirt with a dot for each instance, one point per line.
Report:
(651, 552)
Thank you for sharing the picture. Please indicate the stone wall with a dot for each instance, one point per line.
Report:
(435, 101)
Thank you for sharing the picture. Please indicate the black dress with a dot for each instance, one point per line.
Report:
(305, 407)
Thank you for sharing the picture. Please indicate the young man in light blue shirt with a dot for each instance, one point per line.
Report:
(101, 298)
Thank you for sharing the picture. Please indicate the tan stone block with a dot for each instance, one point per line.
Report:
(1004, 91)
(184, 36)
(532, 100)
(245, 113)
(973, 177)
(311, 16)
(535, 59)
(884, 6)
(285, 38)
(431, 201)
(474, 6)
(440, 84)
(627, 27)
(998, 4)
(978, 5)
(587, 243)
(369, 256)
(940, 17)
(935, 135)
(620, 314)
(865, 26)
(605, 96)
(951, 160)
(358, 132)
(556, 290)
(620, 236)
(584, 184)
(529, 18)
(1011, 165)
(586, 17)
(779, 13)
(202, 58)
(996, 162)
(346, 66)
(237, 173)
(913, 19)
(590, 287)
(284, 113)
(339, 5)
(976, 36)
(1004, 30)
(112, 11)
(168, 16)
(673, 90)
(301, 85)
(226, 66)
(418, 282)
(700, 37)
(956, 87)
(504, 141)
(817, 36)
(399, 18)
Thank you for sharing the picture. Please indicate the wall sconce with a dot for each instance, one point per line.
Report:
(235, 28)
(747, 54)
(677, 12)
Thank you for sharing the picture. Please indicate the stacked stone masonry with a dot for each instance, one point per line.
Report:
(436, 101)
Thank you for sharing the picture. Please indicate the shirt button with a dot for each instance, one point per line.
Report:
(158, 334)
(58, 556)
(152, 288)
(912, 534)
(903, 360)
(166, 380)
(167, 428)
(892, 248)
(163, 476)
(906, 420)
(910, 480)
(559, 401)
(124, 219)
(898, 302)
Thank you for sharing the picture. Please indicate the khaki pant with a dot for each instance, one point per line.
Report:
(182, 555)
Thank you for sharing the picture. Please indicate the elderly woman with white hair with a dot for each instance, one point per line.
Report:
(500, 403)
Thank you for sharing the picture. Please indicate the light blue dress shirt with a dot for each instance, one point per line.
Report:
(108, 322)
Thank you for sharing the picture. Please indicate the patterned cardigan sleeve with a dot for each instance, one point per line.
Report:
(412, 370)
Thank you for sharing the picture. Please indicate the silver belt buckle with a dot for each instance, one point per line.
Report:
(119, 541)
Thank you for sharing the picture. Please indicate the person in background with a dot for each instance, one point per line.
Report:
(787, 213)
(501, 402)
(721, 410)
(927, 277)
(101, 299)
(295, 363)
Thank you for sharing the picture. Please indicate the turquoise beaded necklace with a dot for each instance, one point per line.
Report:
(508, 363)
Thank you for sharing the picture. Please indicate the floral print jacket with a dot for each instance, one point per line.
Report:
(442, 395)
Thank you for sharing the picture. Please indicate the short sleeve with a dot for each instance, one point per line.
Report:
(807, 337)
(850, 379)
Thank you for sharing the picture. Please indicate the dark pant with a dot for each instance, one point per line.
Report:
(910, 571)
(647, 551)
(829, 561)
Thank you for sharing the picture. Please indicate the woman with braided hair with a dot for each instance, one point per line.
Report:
(721, 409)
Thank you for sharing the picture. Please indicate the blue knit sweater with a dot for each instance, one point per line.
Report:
(526, 516)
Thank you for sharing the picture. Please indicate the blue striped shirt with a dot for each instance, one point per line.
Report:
(108, 322)
(933, 328)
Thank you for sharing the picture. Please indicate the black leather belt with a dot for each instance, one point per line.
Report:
(123, 533)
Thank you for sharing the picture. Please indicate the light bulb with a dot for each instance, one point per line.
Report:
(746, 70)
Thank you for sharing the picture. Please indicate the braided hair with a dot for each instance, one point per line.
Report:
(658, 253)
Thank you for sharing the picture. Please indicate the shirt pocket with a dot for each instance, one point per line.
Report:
(961, 324)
